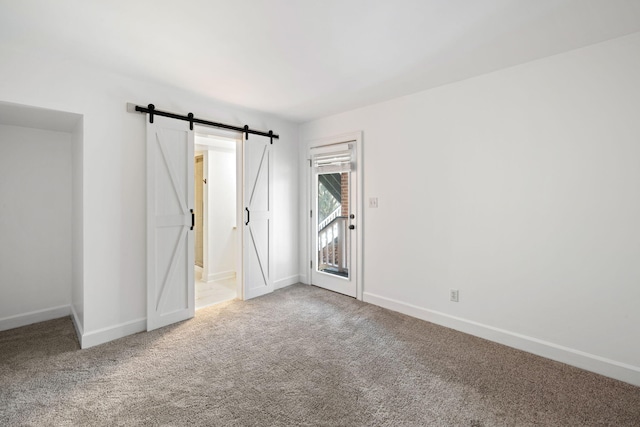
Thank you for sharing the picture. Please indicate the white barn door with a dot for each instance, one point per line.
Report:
(170, 240)
(257, 236)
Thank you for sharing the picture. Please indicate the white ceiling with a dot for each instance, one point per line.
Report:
(304, 59)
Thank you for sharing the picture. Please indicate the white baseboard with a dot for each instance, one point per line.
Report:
(287, 281)
(577, 358)
(101, 336)
(34, 317)
(222, 275)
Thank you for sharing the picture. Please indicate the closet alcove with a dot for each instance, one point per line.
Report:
(41, 215)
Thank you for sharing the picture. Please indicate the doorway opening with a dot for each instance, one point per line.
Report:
(216, 229)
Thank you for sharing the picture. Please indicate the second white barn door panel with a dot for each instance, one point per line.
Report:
(257, 237)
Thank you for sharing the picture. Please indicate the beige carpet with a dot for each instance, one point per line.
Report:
(301, 356)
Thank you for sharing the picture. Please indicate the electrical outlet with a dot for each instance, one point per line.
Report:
(373, 202)
(453, 295)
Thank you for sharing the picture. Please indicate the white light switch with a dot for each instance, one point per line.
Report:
(373, 202)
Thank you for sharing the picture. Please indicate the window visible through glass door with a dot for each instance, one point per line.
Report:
(333, 223)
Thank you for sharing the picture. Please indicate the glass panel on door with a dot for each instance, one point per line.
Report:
(332, 227)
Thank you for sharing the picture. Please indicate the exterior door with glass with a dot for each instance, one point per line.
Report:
(333, 218)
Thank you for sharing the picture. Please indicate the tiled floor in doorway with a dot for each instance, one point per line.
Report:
(209, 293)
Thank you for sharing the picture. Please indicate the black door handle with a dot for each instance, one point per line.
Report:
(193, 219)
(352, 227)
(248, 216)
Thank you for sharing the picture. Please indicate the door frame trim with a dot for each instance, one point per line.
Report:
(350, 137)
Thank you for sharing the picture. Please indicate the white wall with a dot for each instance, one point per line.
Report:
(35, 223)
(221, 233)
(114, 186)
(519, 188)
